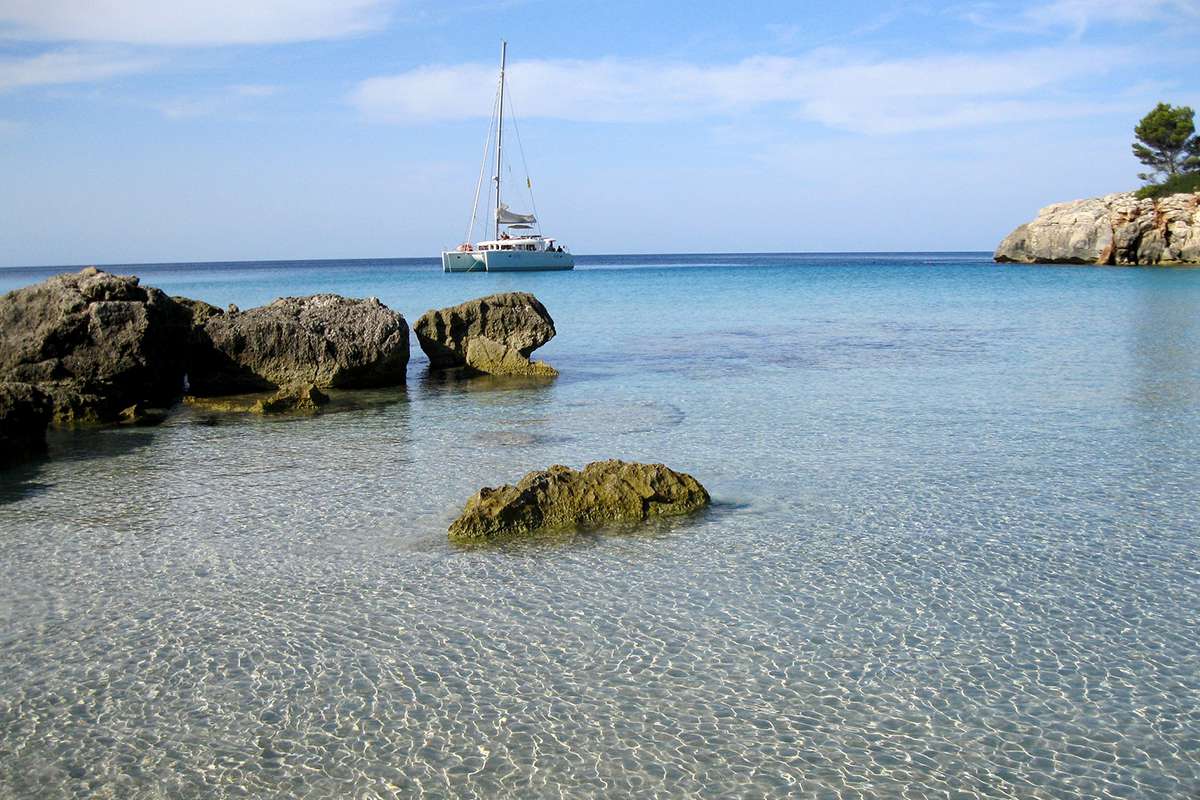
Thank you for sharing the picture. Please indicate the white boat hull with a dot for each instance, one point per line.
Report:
(506, 260)
(459, 261)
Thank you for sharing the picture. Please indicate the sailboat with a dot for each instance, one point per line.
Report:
(517, 244)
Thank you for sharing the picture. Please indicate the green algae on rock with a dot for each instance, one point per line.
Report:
(561, 497)
(296, 399)
(495, 358)
(303, 399)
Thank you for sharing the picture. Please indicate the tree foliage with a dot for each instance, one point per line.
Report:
(1167, 142)
(1187, 183)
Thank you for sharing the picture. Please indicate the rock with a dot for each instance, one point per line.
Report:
(1115, 229)
(95, 343)
(198, 311)
(324, 340)
(228, 404)
(494, 358)
(512, 325)
(289, 399)
(294, 399)
(24, 413)
(140, 414)
(560, 497)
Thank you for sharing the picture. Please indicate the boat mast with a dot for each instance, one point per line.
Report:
(500, 132)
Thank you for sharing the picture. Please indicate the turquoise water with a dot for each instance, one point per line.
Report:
(954, 551)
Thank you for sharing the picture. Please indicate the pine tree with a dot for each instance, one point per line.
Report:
(1167, 142)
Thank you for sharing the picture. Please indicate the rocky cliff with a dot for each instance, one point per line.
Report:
(1114, 229)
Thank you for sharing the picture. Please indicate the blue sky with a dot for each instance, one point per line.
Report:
(136, 130)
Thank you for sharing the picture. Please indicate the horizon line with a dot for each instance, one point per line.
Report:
(99, 265)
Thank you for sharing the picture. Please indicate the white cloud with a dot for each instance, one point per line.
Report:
(866, 96)
(1077, 16)
(66, 66)
(189, 22)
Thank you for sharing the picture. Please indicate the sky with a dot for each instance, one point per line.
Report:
(136, 131)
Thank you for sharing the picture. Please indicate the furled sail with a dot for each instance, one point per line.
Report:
(506, 217)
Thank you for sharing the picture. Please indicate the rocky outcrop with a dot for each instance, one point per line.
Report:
(493, 334)
(24, 414)
(560, 497)
(95, 343)
(324, 340)
(1115, 229)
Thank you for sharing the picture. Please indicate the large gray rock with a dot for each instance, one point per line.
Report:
(24, 413)
(493, 334)
(94, 342)
(324, 340)
(560, 497)
(1115, 229)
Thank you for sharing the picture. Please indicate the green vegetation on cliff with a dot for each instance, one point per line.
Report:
(1189, 182)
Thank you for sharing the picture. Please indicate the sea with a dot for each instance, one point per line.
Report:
(953, 550)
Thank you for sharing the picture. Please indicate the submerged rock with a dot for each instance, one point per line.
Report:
(226, 404)
(493, 334)
(95, 343)
(305, 399)
(143, 415)
(289, 399)
(324, 340)
(1115, 229)
(560, 497)
(24, 414)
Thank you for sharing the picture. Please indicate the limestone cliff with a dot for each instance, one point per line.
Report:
(1114, 229)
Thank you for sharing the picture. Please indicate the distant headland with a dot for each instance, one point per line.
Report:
(1120, 228)
(1158, 224)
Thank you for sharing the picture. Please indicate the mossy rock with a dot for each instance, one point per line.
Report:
(603, 492)
(494, 358)
(305, 399)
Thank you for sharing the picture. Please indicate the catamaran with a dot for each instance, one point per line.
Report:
(517, 243)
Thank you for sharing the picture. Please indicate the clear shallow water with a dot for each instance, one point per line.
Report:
(954, 552)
